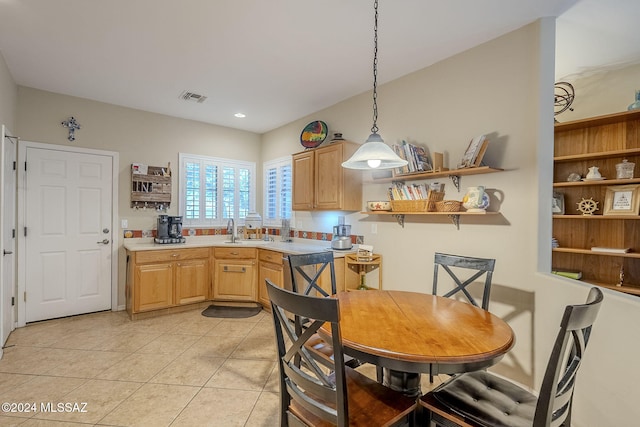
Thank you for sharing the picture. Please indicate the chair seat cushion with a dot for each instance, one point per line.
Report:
(488, 400)
(370, 404)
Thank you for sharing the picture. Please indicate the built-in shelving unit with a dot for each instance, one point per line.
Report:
(602, 142)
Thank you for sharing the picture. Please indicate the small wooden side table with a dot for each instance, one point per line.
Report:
(357, 271)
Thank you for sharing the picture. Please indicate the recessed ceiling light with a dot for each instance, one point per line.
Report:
(240, 115)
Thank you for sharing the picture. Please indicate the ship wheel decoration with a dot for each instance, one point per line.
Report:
(563, 96)
(587, 206)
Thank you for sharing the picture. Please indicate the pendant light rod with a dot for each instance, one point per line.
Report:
(374, 128)
(374, 153)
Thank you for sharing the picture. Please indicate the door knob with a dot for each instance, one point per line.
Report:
(103, 242)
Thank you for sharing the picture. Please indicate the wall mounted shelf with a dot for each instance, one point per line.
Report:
(454, 174)
(454, 216)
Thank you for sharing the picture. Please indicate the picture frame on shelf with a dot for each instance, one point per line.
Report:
(557, 204)
(622, 200)
(474, 153)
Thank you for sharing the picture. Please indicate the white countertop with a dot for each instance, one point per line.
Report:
(297, 246)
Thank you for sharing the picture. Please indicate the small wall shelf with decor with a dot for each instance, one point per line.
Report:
(455, 175)
(601, 142)
(150, 186)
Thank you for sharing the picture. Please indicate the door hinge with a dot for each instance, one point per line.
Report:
(14, 165)
(13, 301)
(25, 166)
(13, 233)
(25, 296)
(25, 232)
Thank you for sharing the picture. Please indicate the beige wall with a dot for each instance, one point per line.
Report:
(604, 92)
(8, 96)
(138, 137)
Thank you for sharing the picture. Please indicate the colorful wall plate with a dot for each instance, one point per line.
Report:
(313, 134)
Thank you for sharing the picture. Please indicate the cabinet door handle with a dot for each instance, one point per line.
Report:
(235, 269)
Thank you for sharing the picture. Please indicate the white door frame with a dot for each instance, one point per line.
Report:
(21, 219)
(7, 294)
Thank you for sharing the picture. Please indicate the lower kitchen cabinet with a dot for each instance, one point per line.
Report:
(270, 266)
(235, 274)
(165, 278)
(152, 286)
(192, 281)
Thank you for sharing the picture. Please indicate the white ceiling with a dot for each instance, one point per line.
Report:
(276, 60)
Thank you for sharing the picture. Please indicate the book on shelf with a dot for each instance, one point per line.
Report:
(611, 250)
(577, 275)
(417, 157)
(402, 191)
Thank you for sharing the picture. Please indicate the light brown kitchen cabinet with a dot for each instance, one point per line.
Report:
(152, 287)
(321, 183)
(192, 281)
(270, 266)
(235, 274)
(165, 278)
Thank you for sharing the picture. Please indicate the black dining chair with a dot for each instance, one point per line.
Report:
(481, 399)
(306, 271)
(455, 266)
(316, 391)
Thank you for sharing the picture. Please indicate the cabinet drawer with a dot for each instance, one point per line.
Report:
(165, 255)
(270, 256)
(235, 253)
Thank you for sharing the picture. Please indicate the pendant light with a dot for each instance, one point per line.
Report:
(374, 153)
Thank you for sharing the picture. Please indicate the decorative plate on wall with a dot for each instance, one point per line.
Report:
(313, 134)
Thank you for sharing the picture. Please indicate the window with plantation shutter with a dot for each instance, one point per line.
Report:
(277, 191)
(213, 190)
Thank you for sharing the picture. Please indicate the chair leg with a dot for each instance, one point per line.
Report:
(379, 374)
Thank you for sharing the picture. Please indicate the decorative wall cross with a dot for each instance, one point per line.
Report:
(73, 126)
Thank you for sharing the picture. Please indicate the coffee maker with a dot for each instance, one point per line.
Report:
(341, 235)
(169, 230)
(175, 229)
(162, 231)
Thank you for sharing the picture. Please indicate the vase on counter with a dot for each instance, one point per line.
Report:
(476, 200)
(636, 104)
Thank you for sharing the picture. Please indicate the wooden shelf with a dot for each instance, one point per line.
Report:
(432, 175)
(590, 252)
(602, 182)
(454, 216)
(600, 155)
(596, 217)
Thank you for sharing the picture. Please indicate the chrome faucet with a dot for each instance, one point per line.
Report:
(231, 229)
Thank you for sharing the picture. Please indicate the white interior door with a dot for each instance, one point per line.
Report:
(68, 244)
(7, 235)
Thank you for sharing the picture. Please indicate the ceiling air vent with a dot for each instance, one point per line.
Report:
(192, 96)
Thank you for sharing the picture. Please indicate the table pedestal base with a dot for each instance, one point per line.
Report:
(405, 382)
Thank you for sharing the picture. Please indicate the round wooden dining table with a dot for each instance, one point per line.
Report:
(413, 333)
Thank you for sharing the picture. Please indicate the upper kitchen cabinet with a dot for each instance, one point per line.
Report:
(321, 183)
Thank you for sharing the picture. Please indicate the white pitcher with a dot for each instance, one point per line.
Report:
(476, 200)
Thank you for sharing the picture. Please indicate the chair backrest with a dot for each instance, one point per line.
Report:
(482, 266)
(556, 393)
(304, 280)
(303, 380)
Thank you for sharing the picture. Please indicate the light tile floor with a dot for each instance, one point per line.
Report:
(181, 369)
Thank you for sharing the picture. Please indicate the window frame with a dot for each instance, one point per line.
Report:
(266, 166)
(220, 220)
